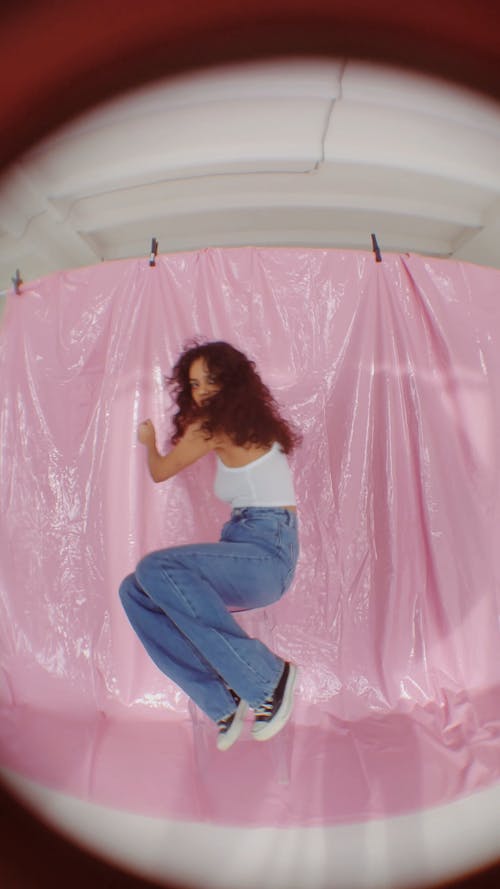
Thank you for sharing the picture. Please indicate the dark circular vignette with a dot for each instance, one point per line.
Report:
(33, 856)
(47, 77)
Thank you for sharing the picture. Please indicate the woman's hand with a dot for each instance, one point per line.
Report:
(146, 433)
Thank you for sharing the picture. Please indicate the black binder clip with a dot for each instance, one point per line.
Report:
(17, 281)
(376, 249)
(154, 252)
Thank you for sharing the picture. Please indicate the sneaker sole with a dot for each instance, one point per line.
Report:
(270, 729)
(227, 739)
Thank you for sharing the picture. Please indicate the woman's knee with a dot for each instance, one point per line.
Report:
(153, 572)
(150, 566)
(125, 588)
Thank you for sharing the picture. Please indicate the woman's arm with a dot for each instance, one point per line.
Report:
(190, 448)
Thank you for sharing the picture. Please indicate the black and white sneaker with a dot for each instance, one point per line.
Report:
(276, 710)
(231, 726)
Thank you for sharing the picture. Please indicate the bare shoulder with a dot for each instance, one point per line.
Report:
(235, 456)
(194, 434)
(194, 443)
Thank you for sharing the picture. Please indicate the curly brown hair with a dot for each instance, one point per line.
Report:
(242, 409)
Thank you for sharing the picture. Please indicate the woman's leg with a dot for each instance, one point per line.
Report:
(198, 643)
(192, 584)
(172, 652)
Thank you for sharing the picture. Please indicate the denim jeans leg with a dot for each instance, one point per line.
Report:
(173, 653)
(188, 583)
(179, 603)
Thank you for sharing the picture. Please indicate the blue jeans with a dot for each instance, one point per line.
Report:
(179, 602)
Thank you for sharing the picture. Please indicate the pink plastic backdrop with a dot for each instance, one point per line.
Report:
(392, 371)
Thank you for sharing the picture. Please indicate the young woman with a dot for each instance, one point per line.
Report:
(179, 601)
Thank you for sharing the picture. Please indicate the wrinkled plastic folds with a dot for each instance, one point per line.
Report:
(392, 372)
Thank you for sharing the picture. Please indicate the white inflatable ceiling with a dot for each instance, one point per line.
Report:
(292, 152)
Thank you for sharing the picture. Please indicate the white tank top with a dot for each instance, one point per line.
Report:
(266, 481)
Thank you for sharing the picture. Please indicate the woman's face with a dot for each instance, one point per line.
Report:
(201, 381)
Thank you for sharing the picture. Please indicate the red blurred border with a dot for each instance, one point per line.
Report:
(32, 856)
(59, 57)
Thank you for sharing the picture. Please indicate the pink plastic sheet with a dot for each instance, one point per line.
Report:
(392, 371)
